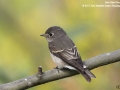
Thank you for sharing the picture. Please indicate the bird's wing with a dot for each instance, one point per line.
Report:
(69, 55)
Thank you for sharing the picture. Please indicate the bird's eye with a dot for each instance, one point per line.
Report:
(51, 34)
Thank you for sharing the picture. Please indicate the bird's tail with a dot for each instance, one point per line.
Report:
(87, 74)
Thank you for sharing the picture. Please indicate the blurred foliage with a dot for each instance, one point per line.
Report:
(22, 50)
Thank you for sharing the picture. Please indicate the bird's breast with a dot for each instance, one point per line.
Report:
(58, 61)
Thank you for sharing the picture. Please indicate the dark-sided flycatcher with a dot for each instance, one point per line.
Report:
(64, 52)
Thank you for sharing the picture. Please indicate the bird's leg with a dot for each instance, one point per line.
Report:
(57, 68)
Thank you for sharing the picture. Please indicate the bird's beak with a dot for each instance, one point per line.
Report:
(44, 35)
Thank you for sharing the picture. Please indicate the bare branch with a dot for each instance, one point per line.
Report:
(52, 75)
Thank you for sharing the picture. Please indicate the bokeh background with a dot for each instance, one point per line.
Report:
(94, 30)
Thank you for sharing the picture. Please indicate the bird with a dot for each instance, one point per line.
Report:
(65, 53)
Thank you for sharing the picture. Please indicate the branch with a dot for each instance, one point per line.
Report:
(52, 75)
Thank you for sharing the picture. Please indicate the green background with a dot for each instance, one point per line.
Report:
(94, 30)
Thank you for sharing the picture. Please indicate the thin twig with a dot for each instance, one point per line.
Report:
(52, 75)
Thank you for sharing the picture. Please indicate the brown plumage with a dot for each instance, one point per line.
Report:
(65, 53)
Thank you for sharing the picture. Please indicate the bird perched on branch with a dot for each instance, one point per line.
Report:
(64, 52)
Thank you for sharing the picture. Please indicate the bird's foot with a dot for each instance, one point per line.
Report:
(57, 68)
